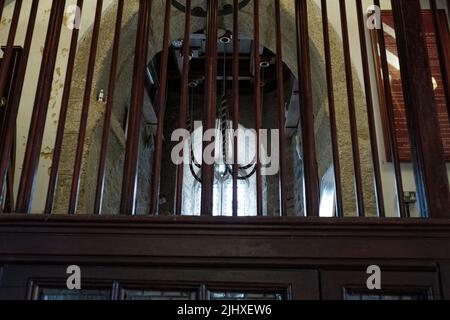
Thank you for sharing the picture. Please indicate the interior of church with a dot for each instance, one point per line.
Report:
(330, 125)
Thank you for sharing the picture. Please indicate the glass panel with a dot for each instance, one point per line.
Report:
(217, 295)
(159, 295)
(65, 294)
(386, 297)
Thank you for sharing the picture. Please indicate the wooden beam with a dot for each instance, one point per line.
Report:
(427, 150)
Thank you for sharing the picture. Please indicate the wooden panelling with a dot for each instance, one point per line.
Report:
(20, 282)
(289, 241)
(393, 282)
(276, 252)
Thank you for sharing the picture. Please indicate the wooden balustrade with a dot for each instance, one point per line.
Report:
(428, 161)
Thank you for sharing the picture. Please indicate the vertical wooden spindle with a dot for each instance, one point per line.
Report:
(162, 100)
(74, 193)
(6, 134)
(332, 110)
(312, 193)
(235, 104)
(281, 110)
(184, 101)
(8, 54)
(209, 112)
(8, 204)
(128, 198)
(370, 110)
(40, 108)
(258, 107)
(390, 115)
(108, 110)
(62, 118)
(2, 6)
(352, 111)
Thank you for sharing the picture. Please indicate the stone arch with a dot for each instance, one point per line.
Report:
(123, 90)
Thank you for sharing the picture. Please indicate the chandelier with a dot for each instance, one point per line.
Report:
(222, 171)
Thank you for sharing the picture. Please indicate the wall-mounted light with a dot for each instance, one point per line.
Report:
(101, 96)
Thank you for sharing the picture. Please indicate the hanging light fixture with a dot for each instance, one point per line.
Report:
(224, 170)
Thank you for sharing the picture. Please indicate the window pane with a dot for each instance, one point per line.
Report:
(389, 296)
(65, 294)
(159, 295)
(218, 295)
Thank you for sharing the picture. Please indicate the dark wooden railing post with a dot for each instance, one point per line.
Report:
(427, 150)
(6, 134)
(74, 193)
(258, 107)
(332, 110)
(7, 203)
(235, 104)
(392, 133)
(62, 118)
(2, 5)
(209, 114)
(281, 110)
(8, 55)
(370, 110)
(352, 110)
(40, 108)
(127, 204)
(184, 102)
(108, 111)
(312, 193)
(162, 101)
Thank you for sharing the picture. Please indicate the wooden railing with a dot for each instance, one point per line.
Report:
(427, 153)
